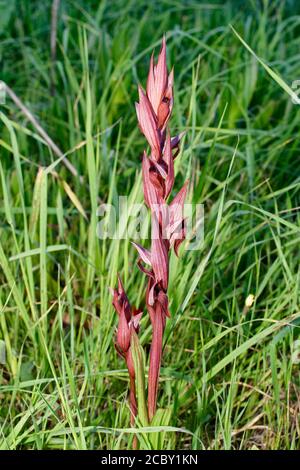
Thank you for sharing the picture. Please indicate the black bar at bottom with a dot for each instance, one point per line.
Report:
(134, 459)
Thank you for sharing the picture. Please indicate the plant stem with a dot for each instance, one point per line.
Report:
(133, 407)
(155, 362)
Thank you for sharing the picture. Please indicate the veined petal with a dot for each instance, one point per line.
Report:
(135, 321)
(145, 254)
(176, 206)
(144, 270)
(161, 72)
(151, 294)
(157, 182)
(150, 298)
(148, 123)
(166, 104)
(173, 229)
(164, 302)
(149, 190)
(160, 166)
(151, 83)
(123, 333)
(168, 158)
(163, 114)
(159, 259)
(157, 78)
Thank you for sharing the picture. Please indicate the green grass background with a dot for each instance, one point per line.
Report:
(230, 377)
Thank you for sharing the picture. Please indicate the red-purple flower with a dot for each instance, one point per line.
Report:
(129, 321)
(167, 222)
(160, 87)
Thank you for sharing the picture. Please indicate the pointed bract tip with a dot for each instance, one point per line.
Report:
(145, 254)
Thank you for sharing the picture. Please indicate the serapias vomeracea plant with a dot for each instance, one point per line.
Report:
(167, 227)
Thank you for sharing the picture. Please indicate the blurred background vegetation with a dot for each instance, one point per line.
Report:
(230, 377)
